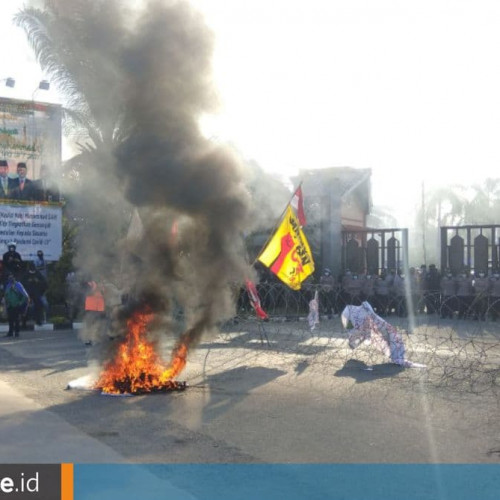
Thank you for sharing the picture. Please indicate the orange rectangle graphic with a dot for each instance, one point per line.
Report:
(67, 482)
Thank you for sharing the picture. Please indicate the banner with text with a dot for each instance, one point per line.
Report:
(32, 228)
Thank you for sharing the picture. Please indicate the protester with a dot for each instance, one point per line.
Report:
(12, 261)
(448, 295)
(414, 291)
(354, 289)
(368, 291)
(481, 286)
(113, 303)
(327, 292)
(75, 290)
(399, 294)
(495, 295)
(40, 263)
(382, 293)
(465, 294)
(36, 286)
(344, 281)
(421, 289)
(432, 289)
(95, 312)
(16, 302)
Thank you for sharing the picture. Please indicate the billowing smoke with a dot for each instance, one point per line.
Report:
(143, 80)
(167, 166)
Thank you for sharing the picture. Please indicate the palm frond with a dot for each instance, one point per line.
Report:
(37, 25)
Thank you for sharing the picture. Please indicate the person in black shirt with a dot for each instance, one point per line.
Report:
(12, 261)
(432, 289)
(34, 283)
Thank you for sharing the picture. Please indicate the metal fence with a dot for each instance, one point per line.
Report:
(372, 250)
(474, 247)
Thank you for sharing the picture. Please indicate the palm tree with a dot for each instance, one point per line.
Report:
(441, 206)
(454, 206)
(444, 206)
(136, 86)
(382, 217)
(484, 205)
(75, 50)
(74, 43)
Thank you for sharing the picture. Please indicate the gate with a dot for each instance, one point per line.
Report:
(473, 248)
(371, 250)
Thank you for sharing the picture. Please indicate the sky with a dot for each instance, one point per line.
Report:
(410, 89)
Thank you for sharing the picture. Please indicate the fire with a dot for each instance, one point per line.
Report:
(136, 367)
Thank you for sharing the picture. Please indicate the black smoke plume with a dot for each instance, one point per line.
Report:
(138, 77)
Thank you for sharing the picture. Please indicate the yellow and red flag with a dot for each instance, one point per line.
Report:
(288, 254)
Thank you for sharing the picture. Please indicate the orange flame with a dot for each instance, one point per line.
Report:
(136, 367)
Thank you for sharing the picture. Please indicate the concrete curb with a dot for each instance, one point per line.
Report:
(4, 328)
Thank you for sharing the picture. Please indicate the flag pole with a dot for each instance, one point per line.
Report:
(278, 222)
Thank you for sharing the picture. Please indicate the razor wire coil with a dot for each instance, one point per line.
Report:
(457, 338)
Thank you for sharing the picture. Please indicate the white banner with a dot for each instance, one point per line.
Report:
(32, 228)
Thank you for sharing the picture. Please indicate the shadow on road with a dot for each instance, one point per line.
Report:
(301, 367)
(28, 355)
(229, 387)
(359, 371)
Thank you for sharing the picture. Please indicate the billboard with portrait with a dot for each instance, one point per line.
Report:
(30, 132)
(30, 163)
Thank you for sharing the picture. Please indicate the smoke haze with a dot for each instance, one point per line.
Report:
(140, 81)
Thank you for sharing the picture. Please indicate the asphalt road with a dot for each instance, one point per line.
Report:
(301, 397)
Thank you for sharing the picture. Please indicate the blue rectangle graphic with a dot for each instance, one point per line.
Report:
(287, 482)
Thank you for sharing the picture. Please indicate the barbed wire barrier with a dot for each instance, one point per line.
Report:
(461, 355)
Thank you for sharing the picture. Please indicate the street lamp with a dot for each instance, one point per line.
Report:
(9, 82)
(43, 85)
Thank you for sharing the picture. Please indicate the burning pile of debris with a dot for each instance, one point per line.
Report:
(136, 367)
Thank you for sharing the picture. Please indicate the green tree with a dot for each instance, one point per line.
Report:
(56, 293)
(74, 43)
(382, 217)
(441, 206)
(483, 206)
(74, 48)
(444, 206)
(454, 206)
